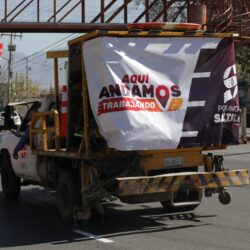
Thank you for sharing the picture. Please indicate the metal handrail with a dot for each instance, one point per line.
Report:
(39, 126)
(223, 21)
(229, 22)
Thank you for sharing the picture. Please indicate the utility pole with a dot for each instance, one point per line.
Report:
(11, 49)
(27, 77)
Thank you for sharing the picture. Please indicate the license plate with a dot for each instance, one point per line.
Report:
(173, 162)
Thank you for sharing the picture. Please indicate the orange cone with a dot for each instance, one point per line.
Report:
(64, 110)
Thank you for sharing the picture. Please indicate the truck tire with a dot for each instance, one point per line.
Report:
(66, 195)
(10, 182)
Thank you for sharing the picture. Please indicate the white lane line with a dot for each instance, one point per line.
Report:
(196, 104)
(189, 133)
(202, 75)
(92, 236)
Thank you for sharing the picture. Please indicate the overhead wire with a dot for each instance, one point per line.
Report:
(38, 53)
(53, 45)
(45, 69)
(32, 57)
(46, 10)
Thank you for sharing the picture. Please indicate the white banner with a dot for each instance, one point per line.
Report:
(139, 88)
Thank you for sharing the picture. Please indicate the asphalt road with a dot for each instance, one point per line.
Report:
(33, 222)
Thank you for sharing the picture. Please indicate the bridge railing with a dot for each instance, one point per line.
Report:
(82, 11)
(222, 21)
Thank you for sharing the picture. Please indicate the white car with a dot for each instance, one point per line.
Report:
(15, 117)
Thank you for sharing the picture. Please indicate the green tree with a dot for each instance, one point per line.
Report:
(243, 62)
(20, 90)
(23, 90)
(44, 92)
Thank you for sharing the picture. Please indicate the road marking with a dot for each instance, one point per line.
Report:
(92, 236)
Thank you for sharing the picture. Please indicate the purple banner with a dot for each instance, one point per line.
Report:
(218, 121)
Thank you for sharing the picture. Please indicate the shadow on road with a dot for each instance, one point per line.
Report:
(34, 219)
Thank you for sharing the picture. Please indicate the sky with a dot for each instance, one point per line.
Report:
(31, 43)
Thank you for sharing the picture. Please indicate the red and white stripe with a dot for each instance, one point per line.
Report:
(64, 103)
(1, 50)
(64, 110)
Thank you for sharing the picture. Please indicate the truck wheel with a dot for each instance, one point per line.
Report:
(10, 182)
(66, 195)
(225, 198)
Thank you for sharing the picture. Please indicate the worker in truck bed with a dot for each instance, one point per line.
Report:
(25, 127)
(76, 116)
